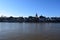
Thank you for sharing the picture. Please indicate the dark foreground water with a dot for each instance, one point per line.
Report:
(29, 31)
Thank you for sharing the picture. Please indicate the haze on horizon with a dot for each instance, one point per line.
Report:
(30, 7)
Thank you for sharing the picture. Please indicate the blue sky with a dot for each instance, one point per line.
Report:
(30, 7)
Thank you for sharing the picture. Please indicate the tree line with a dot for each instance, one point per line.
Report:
(30, 19)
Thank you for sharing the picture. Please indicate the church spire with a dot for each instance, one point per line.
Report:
(36, 15)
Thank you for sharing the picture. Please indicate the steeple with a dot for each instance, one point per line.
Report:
(36, 15)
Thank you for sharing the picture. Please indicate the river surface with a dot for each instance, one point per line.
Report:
(29, 31)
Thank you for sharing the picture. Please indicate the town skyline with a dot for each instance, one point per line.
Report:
(31, 19)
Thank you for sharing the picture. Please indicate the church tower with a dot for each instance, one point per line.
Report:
(36, 15)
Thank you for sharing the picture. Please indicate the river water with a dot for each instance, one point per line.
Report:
(29, 31)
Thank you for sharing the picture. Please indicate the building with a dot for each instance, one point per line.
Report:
(36, 15)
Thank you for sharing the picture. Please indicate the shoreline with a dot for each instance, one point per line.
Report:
(29, 22)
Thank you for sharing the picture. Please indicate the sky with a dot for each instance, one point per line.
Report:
(48, 8)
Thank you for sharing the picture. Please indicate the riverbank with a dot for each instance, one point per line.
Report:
(29, 22)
